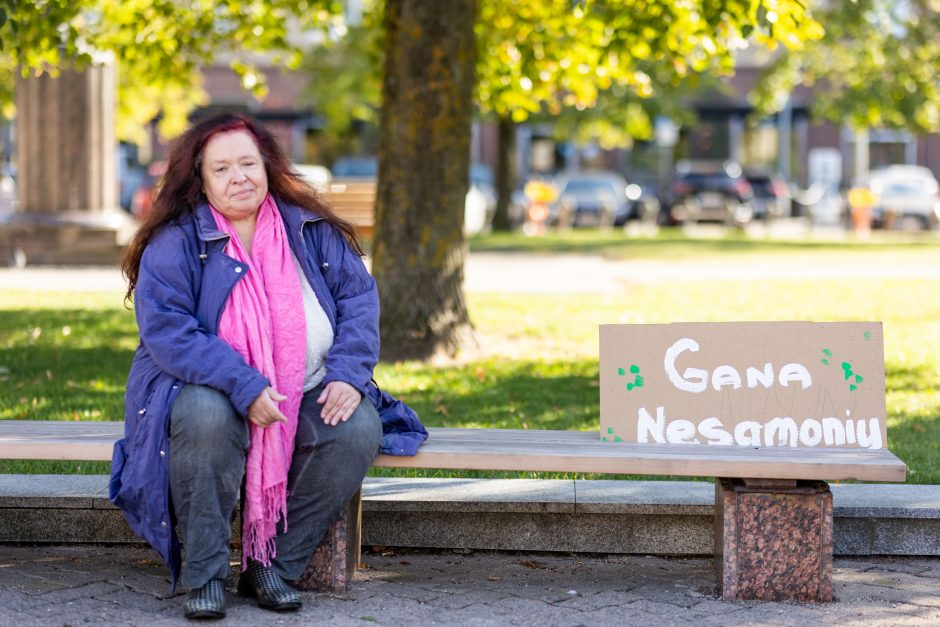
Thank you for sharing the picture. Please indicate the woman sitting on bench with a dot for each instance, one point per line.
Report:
(258, 336)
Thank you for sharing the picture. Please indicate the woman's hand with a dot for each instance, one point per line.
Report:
(339, 400)
(263, 411)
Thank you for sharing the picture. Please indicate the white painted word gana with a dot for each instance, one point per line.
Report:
(695, 380)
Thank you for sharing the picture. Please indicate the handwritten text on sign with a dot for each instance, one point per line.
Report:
(748, 383)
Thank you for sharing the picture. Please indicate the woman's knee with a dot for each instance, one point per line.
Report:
(363, 430)
(206, 416)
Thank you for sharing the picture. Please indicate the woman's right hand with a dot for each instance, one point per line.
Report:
(263, 411)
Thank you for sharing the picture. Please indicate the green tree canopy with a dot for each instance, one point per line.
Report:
(617, 62)
(877, 66)
(159, 46)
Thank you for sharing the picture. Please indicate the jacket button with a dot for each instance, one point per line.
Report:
(163, 523)
(238, 270)
(162, 453)
(142, 411)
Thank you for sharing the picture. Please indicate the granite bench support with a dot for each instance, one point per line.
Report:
(773, 509)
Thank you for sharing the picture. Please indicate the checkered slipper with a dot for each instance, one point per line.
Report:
(207, 601)
(272, 592)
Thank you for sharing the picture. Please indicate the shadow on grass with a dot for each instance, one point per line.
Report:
(502, 394)
(63, 383)
(64, 364)
(913, 396)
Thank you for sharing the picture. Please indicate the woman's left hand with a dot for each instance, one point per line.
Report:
(339, 400)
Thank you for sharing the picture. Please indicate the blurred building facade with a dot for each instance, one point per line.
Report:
(791, 142)
(803, 150)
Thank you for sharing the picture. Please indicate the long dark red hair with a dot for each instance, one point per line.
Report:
(180, 190)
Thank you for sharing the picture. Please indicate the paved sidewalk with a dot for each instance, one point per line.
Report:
(102, 585)
(528, 273)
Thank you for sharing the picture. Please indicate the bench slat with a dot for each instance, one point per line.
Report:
(583, 452)
(519, 450)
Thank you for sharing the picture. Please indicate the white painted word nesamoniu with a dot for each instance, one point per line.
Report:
(812, 384)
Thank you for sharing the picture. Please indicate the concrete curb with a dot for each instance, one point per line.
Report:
(633, 517)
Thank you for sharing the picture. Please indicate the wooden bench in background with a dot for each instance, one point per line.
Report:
(353, 200)
(765, 497)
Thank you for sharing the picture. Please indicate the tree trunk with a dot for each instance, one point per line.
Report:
(507, 173)
(424, 160)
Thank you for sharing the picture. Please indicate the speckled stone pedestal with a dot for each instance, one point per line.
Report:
(773, 539)
(335, 560)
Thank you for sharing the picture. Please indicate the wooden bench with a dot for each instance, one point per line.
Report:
(353, 200)
(765, 497)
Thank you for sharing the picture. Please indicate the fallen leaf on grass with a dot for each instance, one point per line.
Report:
(495, 578)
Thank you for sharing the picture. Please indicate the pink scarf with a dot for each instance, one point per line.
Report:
(264, 321)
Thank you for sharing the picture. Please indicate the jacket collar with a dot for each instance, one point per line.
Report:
(205, 224)
(294, 219)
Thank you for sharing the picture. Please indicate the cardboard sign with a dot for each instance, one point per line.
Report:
(806, 384)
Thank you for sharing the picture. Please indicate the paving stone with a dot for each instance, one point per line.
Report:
(601, 600)
(127, 586)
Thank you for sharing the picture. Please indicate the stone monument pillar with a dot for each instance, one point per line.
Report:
(67, 210)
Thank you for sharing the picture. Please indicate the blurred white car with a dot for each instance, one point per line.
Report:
(317, 176)
(908, 196)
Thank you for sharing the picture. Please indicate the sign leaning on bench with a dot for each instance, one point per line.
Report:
(759, 384)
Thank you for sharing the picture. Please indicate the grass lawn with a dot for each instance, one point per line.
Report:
(64, 356)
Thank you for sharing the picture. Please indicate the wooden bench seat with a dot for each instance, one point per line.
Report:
(518, 450)
(765, 497)
(354, 201)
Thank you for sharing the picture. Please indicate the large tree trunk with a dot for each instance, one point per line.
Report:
(507, 173)
(424, 160)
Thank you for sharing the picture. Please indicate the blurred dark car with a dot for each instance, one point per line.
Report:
(131, 174)
(710, 192)
(591, 198)
(771, 195)
(356, 167)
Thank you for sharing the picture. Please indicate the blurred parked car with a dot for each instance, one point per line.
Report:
(907, 196)
(481, 200)
(643, 193)
(592, 198)
(771, 195)
(131, 174)
(710, 192)
(317, 176)
(7, 189)
(142, 197)
(356, 167)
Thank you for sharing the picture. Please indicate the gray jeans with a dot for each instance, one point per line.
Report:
(208, 448)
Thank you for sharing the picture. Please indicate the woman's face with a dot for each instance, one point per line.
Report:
(233, 175)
